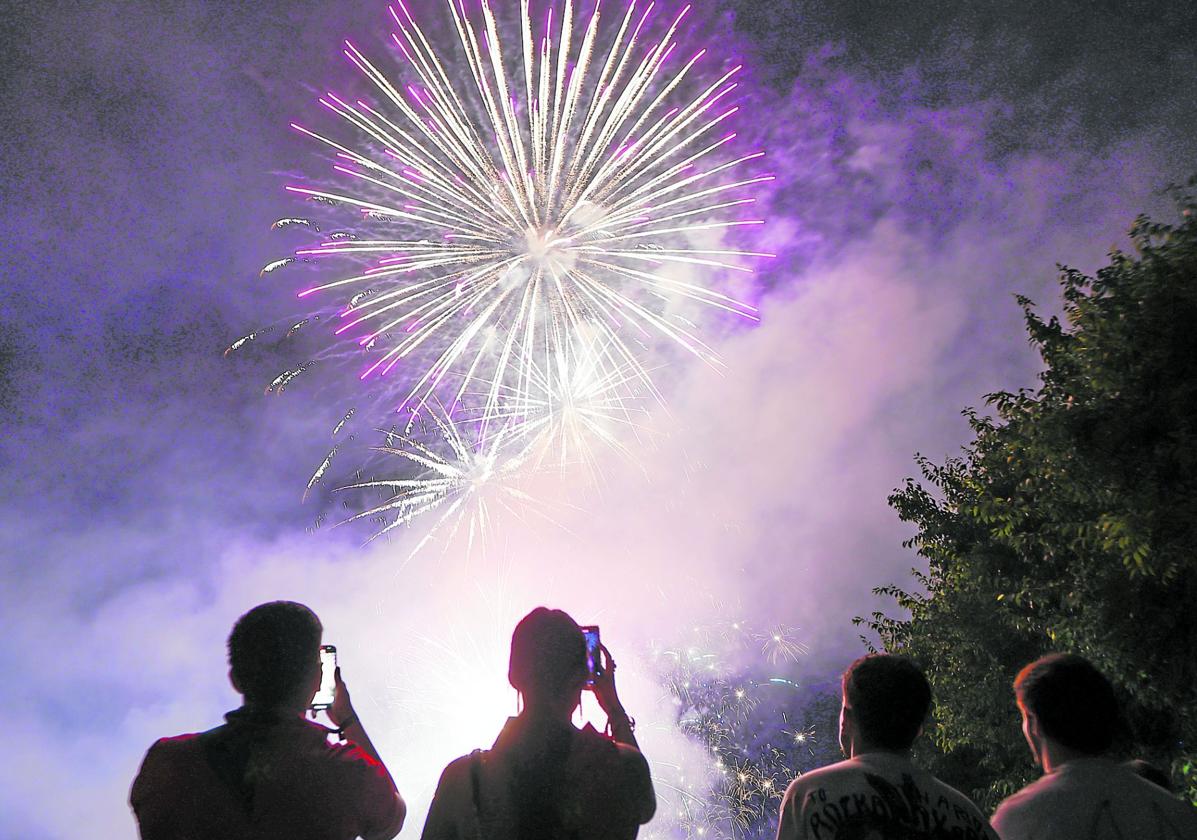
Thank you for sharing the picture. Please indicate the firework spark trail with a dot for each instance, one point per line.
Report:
(461, 480)
(568, 211)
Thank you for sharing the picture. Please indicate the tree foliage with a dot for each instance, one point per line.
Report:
(1070, 523)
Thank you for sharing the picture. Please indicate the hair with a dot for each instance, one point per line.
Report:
(889, 697)
(548, 653)
(273, 649)
(1073, 702)
(548, 659)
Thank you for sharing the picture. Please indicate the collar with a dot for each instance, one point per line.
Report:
(883, 757)
(1084, 764)
(516, 729)
(256, 716)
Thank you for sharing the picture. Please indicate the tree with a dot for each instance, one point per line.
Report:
(1070, 523)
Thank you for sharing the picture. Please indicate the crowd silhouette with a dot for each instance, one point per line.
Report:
(270, 773)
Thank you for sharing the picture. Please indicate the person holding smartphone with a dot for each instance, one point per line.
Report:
(267, 772)
(545, 778)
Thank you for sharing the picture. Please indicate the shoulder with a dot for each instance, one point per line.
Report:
(166, 761)
(822, 776)
(174, 744)
(631, 758)
(166, 751)
(597, 748)
(1168, 807)
(804, 795)
(811, 783)
(1018, 810)
(350, 765)
(956, 797)
(455, 778)
(888, 780)
(454, 793)
(342, 767)
(458, 769)
(625, 768)
(363, 784)
(598, 754)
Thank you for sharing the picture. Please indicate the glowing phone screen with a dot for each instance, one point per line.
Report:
(328, 670)
(594, 662)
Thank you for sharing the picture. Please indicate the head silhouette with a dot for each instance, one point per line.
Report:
(274, 654)
(886, 700)
(1065, 698)
(548, 659)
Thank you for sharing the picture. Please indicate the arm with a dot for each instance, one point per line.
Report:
(638, 783)
(618, 720)
(639, 778)
(343, 715)
(144, 789)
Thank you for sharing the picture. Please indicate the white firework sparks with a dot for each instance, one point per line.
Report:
(780, 643)
(574, 208)
(461, 480)
(576, 408)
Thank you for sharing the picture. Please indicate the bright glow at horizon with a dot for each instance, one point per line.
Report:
(563, 224)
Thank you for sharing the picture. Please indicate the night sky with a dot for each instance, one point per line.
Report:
(934, 159)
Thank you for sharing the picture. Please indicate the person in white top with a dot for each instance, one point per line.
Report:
(878, 793)
(1069, 717)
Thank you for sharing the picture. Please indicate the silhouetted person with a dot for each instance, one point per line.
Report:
(544, 779)
(1069, 717)
(1146, 770)
(878, 793)
(267, 772)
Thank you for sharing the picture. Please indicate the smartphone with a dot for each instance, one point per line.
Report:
(328, 678)
(594, 657)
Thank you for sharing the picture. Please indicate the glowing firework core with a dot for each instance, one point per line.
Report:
(540, 244)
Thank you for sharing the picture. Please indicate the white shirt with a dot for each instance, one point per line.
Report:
(878, 796)
(1094, 799)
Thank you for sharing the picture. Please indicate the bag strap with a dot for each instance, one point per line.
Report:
(476, 789)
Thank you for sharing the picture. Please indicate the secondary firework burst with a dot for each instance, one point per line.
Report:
(579, 179)
(459, 478)
(578, 408)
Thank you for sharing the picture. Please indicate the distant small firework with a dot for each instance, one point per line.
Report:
(780, 644)
(559, 185)
(805, 737)
(743, 721)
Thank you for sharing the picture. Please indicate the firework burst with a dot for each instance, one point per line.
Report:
(780, 644)
(525, 193)
(461, 480)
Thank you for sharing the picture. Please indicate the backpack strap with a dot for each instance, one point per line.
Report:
(476, 788)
